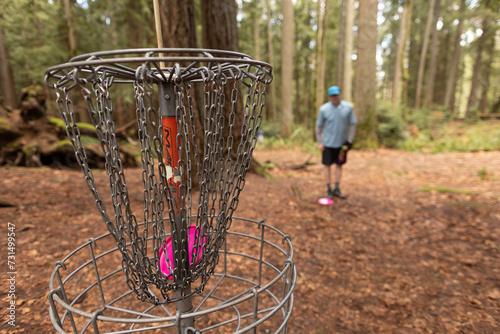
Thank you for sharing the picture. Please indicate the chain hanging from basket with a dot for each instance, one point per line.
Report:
(176, 245)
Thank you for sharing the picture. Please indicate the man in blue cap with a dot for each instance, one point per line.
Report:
(335, 131)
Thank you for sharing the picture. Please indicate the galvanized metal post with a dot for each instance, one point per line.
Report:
(179, 238)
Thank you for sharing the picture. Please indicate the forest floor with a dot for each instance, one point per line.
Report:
(415, 247)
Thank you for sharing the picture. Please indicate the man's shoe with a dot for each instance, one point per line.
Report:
(329, 193)
(338, 193)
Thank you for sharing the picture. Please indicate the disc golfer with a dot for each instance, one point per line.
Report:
(335, 131)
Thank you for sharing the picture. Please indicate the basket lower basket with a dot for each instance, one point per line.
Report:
(251, 289)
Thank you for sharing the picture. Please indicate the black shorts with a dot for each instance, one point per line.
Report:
(331, 156)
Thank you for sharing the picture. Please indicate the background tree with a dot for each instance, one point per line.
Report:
(8, 93)
(303, 58)
(388, 30)
(365, 77)
(451, 82)
(433, 57)
(486, 33)
(348, 48)
(286, 70)
(423, 53)
(400, 61)
(220, 30)
(486, 67)
(71, 31)
(341, 43)
(179, 33)
(321, 52)
(270, 52)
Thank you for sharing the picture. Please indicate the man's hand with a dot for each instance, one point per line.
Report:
(321, 147)
(348, 144)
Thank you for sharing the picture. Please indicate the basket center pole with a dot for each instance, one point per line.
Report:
(179, 229)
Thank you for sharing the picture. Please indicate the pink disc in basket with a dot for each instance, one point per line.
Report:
(325, 201)
(167, 269)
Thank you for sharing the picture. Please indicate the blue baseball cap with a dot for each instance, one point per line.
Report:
(334, 90)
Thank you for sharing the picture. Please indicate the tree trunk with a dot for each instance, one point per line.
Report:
(112, 19)
(341, 41)
(286, 70)
(223, 36)
(308, 115)
(366, 69)
(7, 89)
(451, 83)
(443, 61)
(256, 31)
(220, 28)
(181, 31)
(71, 31)
(120, 105)
(82, 116)
(274, 113)
(398, 69)
(297, 106)
(486, 68)
(433, 60)
(349, 24)
(423, 54)
(406, 74)
(321, 53)
(472, 102)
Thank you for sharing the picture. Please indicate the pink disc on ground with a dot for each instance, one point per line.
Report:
(325, 201)
(167, 265)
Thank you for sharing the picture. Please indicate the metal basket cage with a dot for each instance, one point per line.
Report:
(180, 147)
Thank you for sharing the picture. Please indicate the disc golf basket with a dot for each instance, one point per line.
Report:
(181, 263)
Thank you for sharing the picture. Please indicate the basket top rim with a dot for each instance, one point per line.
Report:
(156, 58)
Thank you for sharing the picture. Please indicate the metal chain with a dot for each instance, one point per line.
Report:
(219, 167)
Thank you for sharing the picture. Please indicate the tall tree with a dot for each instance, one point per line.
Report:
(423, 54)
(487, 65)
(220, 28)
(71, 31)
(474, 87)
(400, 64)
(256, 28)
(286, 70)
(451, 82)
(341, 43)
(443, 60)
(181, 32)
(7, 91)
(309, 113)
(270, 50)
(348, 47)
(429, 95)
(321, 52)
(304, 54)
(113, 25)
(405, 71)
(388, 30)
(366, 69)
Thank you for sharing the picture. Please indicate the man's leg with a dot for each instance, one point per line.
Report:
(328, 176)
(338, 177)
(338, 174)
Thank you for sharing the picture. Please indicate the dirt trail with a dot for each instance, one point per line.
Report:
(392, 258)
